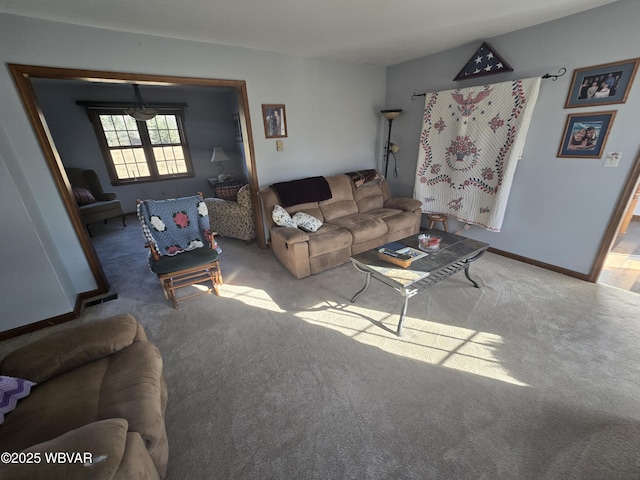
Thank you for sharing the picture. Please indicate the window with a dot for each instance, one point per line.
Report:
(137, 150)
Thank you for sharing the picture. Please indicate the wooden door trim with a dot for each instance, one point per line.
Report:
(615, 220)
(22, 75)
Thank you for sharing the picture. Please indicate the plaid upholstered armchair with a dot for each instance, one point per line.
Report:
(231, 215)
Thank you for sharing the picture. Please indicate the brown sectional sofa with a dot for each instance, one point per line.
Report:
(355, 220)
(100, 389)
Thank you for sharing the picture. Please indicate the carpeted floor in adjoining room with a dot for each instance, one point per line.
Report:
(534, 376)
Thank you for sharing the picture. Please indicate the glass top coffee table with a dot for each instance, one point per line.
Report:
(454, 255)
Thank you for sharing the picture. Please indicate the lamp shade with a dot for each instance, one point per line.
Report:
(391, 114)
(219, 155)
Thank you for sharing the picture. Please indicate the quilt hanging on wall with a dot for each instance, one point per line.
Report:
(470, 144)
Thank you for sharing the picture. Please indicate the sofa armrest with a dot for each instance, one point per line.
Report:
(289, 234)
(105, 197)
(70, 348)
(291, 246)
(100, 444)
(403, 203)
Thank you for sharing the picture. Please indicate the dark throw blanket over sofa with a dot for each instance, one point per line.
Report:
(354, 219)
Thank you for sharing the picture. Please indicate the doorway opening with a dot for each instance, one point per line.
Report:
(620, 222)
(622, 265)
(23, 74)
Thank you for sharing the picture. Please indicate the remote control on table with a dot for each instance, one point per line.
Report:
(391, 253)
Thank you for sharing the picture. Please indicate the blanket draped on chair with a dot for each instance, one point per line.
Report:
(470, 144)
(174, 225)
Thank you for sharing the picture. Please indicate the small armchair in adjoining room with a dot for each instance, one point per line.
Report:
(183, 250)
(231, 214)
(94, 203)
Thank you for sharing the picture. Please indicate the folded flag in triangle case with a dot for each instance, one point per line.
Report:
(486, 61)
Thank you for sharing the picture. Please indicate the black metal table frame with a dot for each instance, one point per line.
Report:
(410, 290)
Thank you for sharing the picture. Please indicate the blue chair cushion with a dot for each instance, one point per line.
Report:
(183, 261)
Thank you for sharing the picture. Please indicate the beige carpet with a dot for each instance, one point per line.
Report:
(534, 376)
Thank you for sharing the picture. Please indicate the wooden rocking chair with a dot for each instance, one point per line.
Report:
(183, 252)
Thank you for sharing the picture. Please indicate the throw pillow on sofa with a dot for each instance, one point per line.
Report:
(306, 222)
(282, 218)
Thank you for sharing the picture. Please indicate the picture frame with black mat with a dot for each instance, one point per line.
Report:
(605, 84)
(585, 134)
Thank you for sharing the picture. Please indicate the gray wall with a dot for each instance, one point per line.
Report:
(333, 126)
(559, 207)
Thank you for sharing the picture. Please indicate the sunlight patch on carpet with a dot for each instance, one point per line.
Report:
(250, 296)
(449, 346)
(615, 260)
(632, 262)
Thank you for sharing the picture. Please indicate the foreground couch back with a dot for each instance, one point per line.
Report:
(354, 220)
(100, 389)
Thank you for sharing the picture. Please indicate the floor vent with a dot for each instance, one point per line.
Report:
(96, 301)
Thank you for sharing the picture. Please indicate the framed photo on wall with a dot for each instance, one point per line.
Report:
(585, 134)
(601, 85)
(275, 120)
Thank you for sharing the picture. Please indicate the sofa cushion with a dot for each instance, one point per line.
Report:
(173, 263)
(327, 239)
(83, 196)
(342, 202)
(99, 207)
(369, 203)
(56, 406)
(368, 198)
(401, 203)
(102, 444)
(136, 394)
(338, 209)
(362, 226)
(396, 220)
(70, 348)
(11, 390)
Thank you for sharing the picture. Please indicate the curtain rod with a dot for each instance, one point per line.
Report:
(553, 77)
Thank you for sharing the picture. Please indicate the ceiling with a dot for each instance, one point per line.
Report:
(379, 32)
